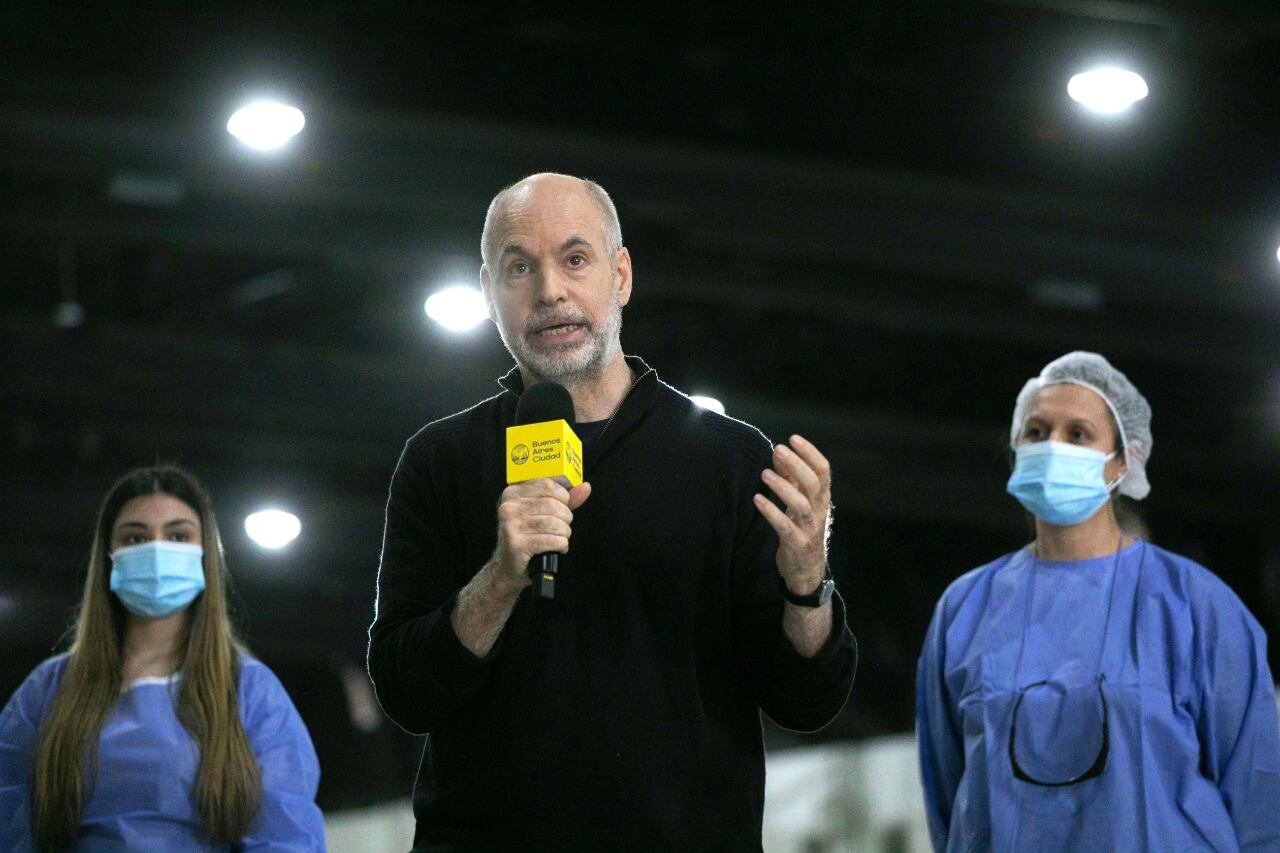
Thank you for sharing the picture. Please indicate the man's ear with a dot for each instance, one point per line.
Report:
(622, 271)
(486, 288)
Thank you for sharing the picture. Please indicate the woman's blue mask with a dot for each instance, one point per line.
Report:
(157, 578)
(1060, 483)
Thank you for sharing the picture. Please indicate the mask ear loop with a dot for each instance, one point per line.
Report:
(1114, 484)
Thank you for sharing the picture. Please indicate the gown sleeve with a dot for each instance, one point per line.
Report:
(290, 821)
(938, 732)
(19, 729)
(1238, 729)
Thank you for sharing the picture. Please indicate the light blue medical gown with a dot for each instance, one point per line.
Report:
(144, 796)
(1194, 759)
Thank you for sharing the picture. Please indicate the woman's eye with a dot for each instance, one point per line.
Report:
(180, 537)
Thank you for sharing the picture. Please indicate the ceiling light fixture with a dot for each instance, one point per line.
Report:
(266, 125)
(272, 528)
(1108, 90)
(458, 308)
(708, 403)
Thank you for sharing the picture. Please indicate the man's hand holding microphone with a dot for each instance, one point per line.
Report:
(535, 516)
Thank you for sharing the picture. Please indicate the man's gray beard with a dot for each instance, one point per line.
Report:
(572, 367)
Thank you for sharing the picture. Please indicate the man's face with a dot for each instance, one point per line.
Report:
(554, 292)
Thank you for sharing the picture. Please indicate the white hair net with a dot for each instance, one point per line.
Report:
(1130, 409)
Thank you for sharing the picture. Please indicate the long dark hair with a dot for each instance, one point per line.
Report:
(229, 782)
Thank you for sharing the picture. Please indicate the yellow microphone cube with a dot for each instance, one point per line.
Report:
(546, 449)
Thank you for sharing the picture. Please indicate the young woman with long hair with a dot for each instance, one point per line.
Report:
(155, 730)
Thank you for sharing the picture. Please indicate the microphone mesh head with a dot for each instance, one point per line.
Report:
(546, 401)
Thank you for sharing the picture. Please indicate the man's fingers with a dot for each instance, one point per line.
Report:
(802, 481)
(539, 524)
(526, 508)
(549, 507)
(797, 502)
(542, 487)
(578, 495)
(545, 544)
(792, 466)
(536, 517)
(813, 458)
(778, 520)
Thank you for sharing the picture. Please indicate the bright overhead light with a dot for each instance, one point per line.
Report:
(708, 403)
(272, 528)
(266, 125)
(1108, 89)
(1278, 254)
(458, 309)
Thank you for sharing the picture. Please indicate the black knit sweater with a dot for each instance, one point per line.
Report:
(624, 713)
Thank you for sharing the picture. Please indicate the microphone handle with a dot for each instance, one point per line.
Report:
(542, 570)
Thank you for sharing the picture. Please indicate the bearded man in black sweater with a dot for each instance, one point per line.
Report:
(623, 714)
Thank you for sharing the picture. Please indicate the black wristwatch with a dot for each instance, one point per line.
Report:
(817, 598)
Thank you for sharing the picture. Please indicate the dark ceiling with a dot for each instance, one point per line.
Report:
(868, 225)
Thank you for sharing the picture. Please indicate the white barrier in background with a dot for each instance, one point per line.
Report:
(860, 797)
(845, 797)
(386, 828)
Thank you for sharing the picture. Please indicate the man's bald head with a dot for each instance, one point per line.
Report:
(523, 189)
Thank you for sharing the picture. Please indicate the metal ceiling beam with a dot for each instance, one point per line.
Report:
(378, 182)
(1236, 20)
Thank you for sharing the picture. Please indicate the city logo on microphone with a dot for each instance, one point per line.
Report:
(544, 449)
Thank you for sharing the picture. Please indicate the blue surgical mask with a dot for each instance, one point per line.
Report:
(157, 578)
(1060, 483)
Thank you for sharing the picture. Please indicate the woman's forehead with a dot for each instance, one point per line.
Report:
(157, 509)
(1068, 401)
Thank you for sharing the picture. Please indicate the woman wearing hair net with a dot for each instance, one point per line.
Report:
(1092, 691)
